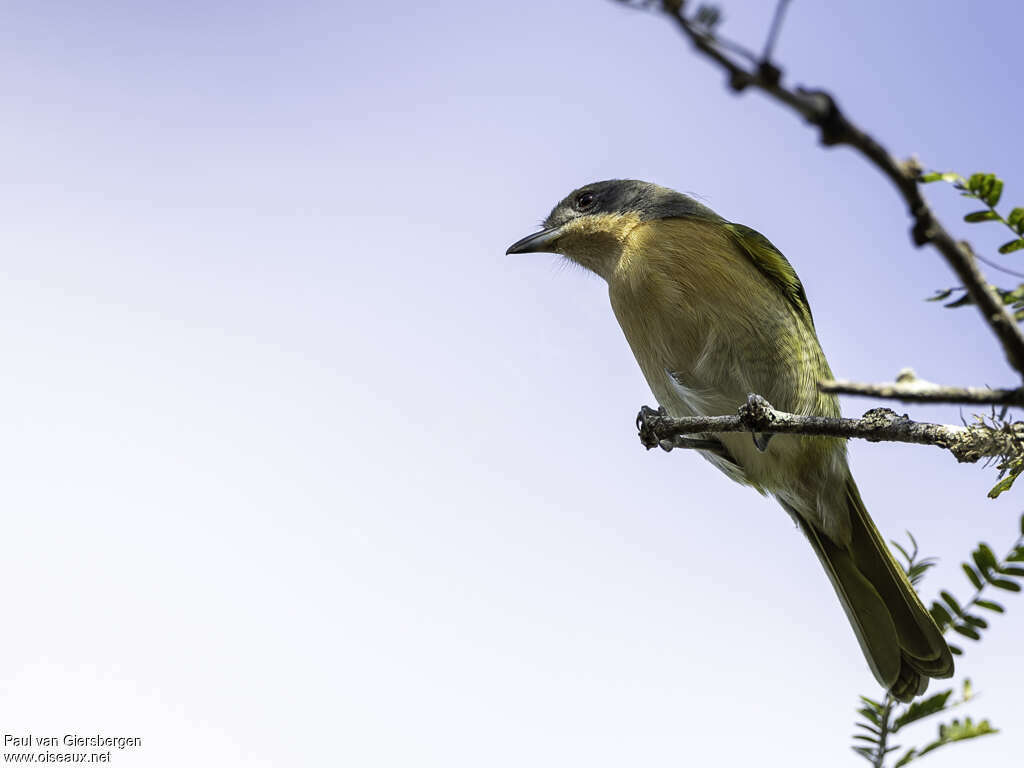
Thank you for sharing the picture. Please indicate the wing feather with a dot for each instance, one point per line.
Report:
(773, 265)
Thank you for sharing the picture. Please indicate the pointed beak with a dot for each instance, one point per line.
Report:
(539, 242)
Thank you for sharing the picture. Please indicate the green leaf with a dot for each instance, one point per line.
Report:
(976, 182)
(972, 575)
(916, 573)
(922, 708)
(1016, 219)
(941, 616)
(1013, 470)
(869, 728)
(981, 216)
(989, 605)
(871, 711)
(988, 557)
(951, 602)
(963, 301)
(956, 650)
(983, 564)
(1011, 297)
(967, 631)
(1009, 586)
(1003, 485)
(976, 621)
(942, 295)
(909, 755)
(869, 716)
(866, 752)
(901, 550)
(1012, 570)
(1022, 524)
(936, 176)
(993, 193)
(1013, 245)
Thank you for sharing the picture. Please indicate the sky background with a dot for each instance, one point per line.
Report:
(301, 469)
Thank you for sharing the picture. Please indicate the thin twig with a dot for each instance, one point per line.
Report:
(966, 443)
(773, 33)
(925, 392)
(997, 266)
(820, 109)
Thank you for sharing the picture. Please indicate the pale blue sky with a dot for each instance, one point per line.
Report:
(302, 469)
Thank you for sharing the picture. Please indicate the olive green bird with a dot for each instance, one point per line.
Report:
(713, 311)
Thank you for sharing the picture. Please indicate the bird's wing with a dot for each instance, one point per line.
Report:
(773, 265)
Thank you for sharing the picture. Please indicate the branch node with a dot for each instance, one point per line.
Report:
(882, 418)
(912, 168)
(757, 414)
(739, 80)
(820, 109)
(769, 73)
(921, 233)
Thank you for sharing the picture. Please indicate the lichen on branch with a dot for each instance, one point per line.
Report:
(967, 443)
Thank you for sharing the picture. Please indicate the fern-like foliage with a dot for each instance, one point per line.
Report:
(984, 571)
(881, 720)
(916, 567)
(986, 188)
(954, 731)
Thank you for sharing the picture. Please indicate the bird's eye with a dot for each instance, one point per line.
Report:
(584, 201)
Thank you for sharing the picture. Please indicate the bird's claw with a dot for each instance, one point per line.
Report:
(647, 423)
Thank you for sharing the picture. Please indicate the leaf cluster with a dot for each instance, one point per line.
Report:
(949, 733)
(1011, 462)
(916, 566)
(984, 570)
(881, 720)
(987, 188)
(1011, 297)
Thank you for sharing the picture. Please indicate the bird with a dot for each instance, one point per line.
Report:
(714, 312)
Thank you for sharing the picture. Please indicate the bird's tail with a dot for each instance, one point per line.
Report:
(901, 642)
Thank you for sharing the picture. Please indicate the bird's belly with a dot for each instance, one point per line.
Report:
(770, 470)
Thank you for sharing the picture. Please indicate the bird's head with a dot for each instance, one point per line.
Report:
(591, 224)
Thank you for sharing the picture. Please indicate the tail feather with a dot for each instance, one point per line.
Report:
(900, 640)
(920, 639)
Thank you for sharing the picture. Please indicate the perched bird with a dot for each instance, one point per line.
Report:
(713, 311)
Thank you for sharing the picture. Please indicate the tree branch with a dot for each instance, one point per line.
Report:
(820, 109)
(967, 443)
(912, 390)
